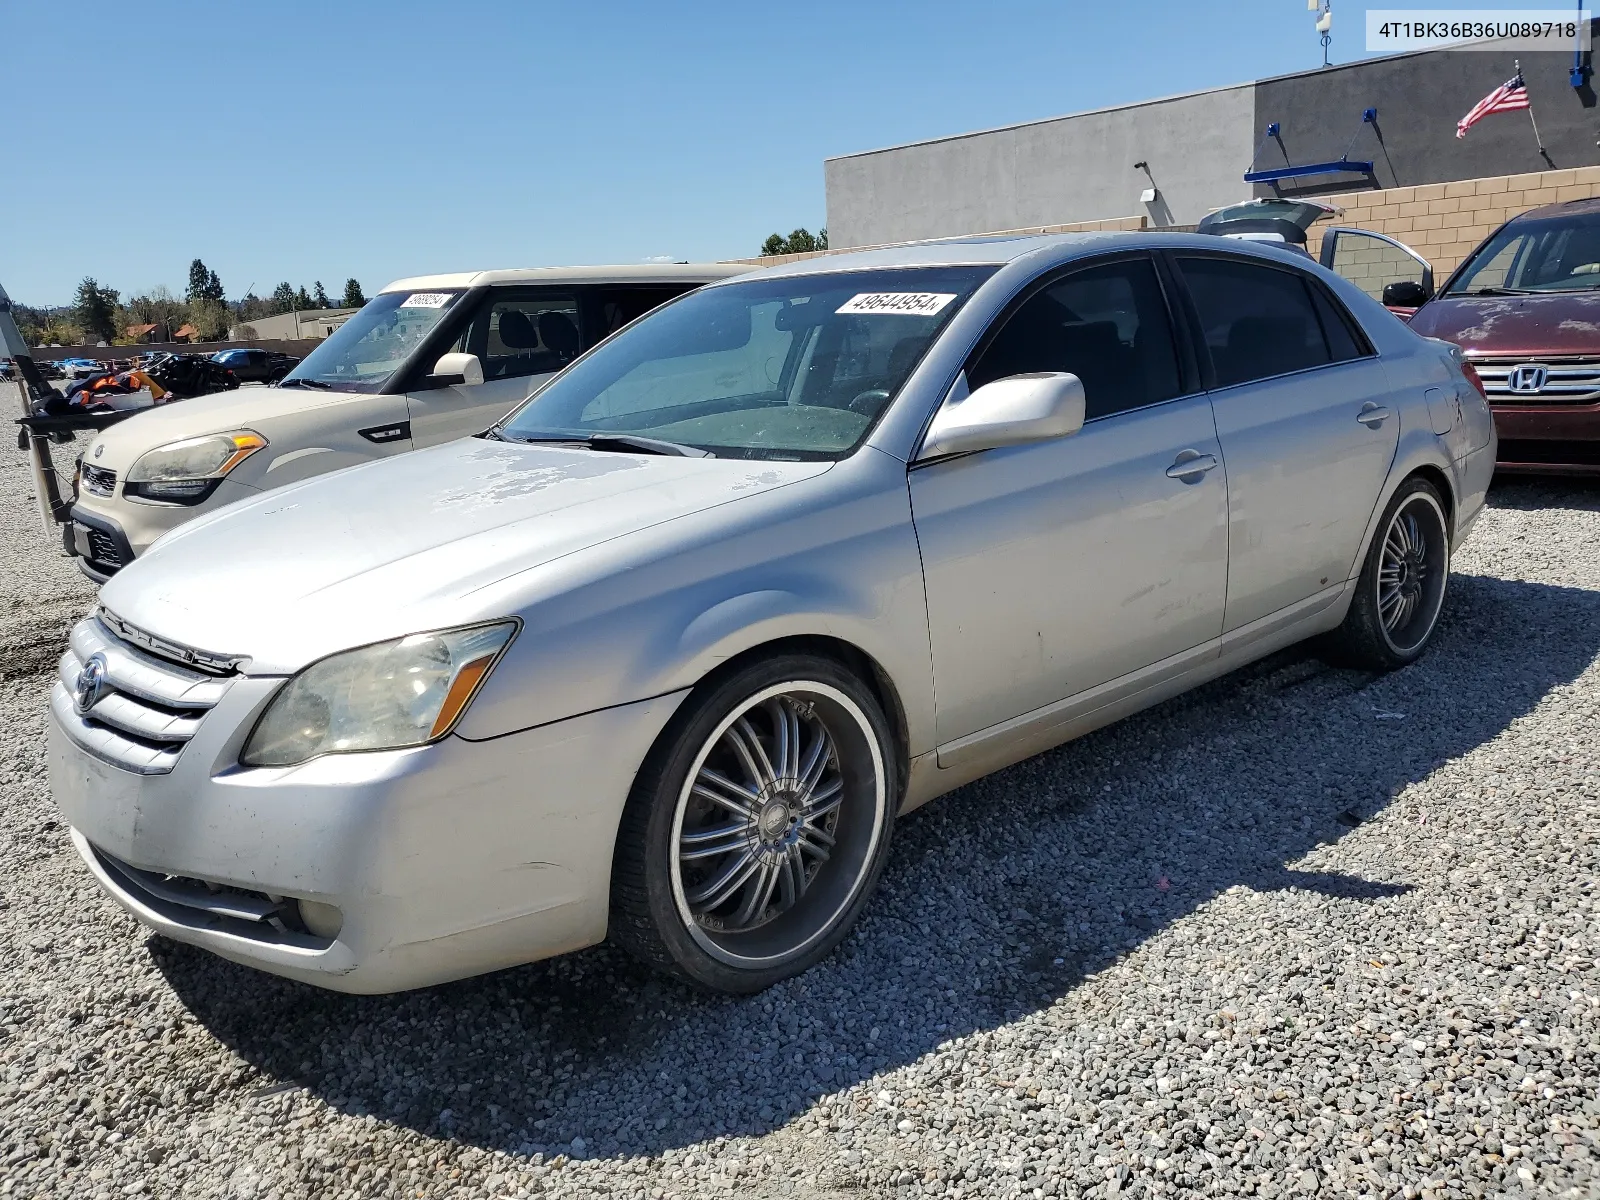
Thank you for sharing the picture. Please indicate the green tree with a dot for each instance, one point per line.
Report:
(159, 307)
(211, 319)
(302, 300)
(352, 294)
(320, 297)
(283, 298)
(95, 310)
(801, 241)
(203, 283)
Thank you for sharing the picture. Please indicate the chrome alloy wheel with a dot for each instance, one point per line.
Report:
(1412, 570)
(777, 823)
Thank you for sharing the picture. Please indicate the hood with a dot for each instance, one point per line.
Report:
(1514, 325)
(222, 412)
(406, 544)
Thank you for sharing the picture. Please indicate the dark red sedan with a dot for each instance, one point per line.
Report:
(1525, 307)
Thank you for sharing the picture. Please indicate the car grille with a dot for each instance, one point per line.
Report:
(200, 903)
(103, 551)
(148, 705)
(1571, 379)
(98, 481)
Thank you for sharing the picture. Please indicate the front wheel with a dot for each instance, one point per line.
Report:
(758, 827)
(1401, 590)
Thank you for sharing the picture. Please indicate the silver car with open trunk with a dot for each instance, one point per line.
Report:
(663, 655)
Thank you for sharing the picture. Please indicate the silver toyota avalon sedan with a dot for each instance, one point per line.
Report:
(662, 656)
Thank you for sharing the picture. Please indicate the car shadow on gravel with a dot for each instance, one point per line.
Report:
(998, 900)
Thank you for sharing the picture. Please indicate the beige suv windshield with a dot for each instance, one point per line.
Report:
(366, 350)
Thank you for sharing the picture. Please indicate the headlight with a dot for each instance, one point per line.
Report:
(189, 471)
(402, 693)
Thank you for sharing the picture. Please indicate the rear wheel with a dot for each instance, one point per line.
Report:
(758, 828)
(1402, 586)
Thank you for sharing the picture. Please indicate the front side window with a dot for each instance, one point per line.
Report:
(1258, 321)
(798, 367)
(520, 335)
(1537, 256)
(1107, 325)
(374, 343)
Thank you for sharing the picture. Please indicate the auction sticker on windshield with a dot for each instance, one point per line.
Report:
(427, 300)
(916, 304)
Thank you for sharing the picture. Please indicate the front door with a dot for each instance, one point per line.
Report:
(1054, 567)
(1307, 426)
(521, 336)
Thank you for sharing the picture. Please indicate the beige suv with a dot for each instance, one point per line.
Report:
(428, 360)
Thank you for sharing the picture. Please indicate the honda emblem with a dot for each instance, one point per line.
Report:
(1528, 379)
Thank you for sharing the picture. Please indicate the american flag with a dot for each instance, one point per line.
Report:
(1510, 96)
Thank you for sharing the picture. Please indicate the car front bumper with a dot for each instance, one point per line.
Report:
(1549, 439)
(106, 533)
(420, 865)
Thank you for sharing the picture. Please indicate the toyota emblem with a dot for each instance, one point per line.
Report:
(1528, 378)
(90, 684)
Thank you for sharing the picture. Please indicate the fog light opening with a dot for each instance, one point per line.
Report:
(324, 920)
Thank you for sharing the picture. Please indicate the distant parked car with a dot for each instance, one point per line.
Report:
(428, 360)
(1525, 307)
(78, 368)
(256, 366)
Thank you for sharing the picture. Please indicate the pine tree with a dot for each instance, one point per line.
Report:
(94, 309)
(352, 294)
(320, 297)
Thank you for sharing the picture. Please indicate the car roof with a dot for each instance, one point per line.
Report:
(1570, 208)
(627, 273)
(1000, 249)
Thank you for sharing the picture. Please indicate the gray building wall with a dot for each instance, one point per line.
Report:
(1076, 168)
(1419, 98)
(1080, 167)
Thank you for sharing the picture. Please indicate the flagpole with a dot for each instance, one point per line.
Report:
(1534, 123)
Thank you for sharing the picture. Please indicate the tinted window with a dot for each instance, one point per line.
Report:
(1337, 325)
(608, 309)
(1257, 321)
(1107, 325)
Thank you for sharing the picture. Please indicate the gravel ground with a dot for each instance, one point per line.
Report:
(1305, 931)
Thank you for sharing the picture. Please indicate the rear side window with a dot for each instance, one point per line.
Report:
(1257, 321)
(1338, 326)
(1107, 325)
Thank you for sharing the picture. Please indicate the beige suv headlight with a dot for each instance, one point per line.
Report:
(407, 692)
(187, 472)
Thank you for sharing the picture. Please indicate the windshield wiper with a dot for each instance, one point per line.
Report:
(606, 441)
(1499, 291)
(645, 445)
(306, 383)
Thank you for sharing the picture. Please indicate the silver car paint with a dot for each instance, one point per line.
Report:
(656, 571)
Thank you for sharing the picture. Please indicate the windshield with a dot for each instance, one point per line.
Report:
(361, 354)
(1536, 256)
(798, 367)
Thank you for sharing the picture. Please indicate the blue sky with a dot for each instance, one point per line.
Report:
(379, 138)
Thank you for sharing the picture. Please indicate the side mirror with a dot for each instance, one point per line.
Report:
(1007, 412)
(455, 368)
(1405, 293)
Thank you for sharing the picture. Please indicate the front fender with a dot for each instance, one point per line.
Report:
(666, 607)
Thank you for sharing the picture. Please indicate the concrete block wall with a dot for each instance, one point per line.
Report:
(1444, 222)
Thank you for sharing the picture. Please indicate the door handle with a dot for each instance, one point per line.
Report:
(1191, 467)
(1372, 415)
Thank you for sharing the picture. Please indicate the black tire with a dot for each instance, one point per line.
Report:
(664, 906)
(1382, 632)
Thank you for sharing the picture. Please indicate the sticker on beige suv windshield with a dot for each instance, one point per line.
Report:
(915, 304)
(426, 300)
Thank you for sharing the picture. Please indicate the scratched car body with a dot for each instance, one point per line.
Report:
(662, 657)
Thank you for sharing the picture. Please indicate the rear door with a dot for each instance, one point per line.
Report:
(1307, 427)
(522, 336)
